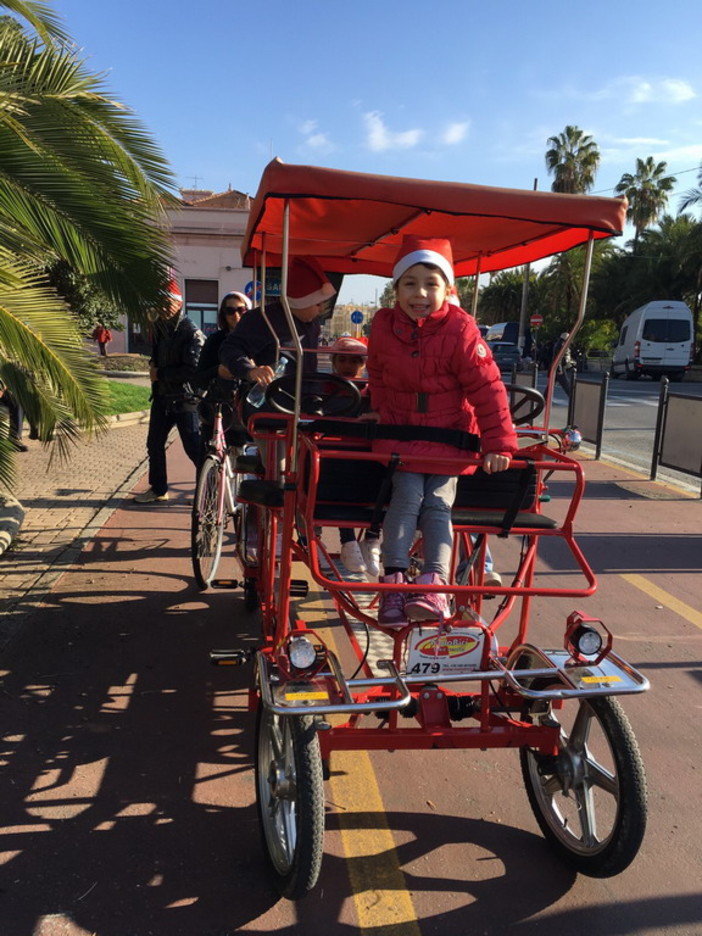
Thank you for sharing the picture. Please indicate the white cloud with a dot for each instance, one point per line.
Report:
(664, 90)
(307, 127)
(319, 141)
(639, 141)
(455, 132)
(379, 138)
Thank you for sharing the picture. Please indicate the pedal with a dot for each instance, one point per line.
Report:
(229, 657)
(226, 583)
(299, 588)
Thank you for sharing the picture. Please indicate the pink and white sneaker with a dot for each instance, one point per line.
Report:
(430, 607)
(391, 609)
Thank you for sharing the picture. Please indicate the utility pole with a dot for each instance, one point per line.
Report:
(525, 299)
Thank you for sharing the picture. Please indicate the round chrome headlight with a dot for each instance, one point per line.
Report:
(587, 641)
(302, 652)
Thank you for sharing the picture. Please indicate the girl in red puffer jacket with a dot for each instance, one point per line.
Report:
(429, 366)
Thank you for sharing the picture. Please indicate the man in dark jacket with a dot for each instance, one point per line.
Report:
(176, 347)
(249, 352)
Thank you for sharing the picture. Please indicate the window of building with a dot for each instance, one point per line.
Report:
(202, 303)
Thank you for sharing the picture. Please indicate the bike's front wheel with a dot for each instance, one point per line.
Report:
(207, 522)
(290, 797)
(590, 799)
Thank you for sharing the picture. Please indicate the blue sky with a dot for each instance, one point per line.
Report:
(451, 90)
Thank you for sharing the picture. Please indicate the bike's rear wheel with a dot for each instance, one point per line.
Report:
(207, 528)
(590, 800)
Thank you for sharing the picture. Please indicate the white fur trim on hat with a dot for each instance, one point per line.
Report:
(325, 292)
(433, 250)
(307, 283)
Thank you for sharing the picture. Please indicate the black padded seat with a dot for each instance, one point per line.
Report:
(264, 493)
(250, 464)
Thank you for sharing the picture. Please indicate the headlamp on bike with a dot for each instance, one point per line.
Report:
(584, 638)
(302, 653)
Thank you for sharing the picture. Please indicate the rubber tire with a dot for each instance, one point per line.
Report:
(616, 850)
(676, 376)
(294, 865)
(204, 524)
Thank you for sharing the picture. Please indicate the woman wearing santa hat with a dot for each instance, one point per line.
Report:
(429, 366)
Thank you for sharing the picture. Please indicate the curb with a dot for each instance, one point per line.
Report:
(128, 419)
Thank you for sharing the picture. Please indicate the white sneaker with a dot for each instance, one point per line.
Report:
(149, 497)
(352, 557)
(370, 550)
(492, 578)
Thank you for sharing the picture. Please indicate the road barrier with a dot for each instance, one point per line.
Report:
(588, 402)
(678, 440)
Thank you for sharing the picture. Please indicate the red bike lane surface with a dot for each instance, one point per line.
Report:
(129, 802)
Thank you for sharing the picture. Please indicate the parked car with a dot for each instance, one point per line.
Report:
(506, 354)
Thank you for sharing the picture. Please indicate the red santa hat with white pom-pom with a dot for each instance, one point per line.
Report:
(435, 251)
(307, 283)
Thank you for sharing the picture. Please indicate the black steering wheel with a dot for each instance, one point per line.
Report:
(525, 403)
(322, 395)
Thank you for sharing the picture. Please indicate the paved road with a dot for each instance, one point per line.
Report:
(128, 805)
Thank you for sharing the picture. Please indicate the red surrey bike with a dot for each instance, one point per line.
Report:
(479, 680)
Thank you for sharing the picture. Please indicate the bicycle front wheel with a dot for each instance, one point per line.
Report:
(207, 525)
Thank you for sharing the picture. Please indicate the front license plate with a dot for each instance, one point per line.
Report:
(431, 654)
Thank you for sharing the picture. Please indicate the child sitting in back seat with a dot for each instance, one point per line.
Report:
(348, 359)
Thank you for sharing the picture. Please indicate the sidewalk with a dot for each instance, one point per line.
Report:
(65, 505)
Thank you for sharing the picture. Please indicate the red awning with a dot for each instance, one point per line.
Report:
(354, 222)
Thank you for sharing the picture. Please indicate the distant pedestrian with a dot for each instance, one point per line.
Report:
(176, 346)
(565, 371)
(102, 335)
(15, 417)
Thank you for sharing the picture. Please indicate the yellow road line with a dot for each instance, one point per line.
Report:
(663, 597)
(380, 895)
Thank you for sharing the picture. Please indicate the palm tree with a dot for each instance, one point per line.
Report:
(693, 197)
(82, 182)
(573, 159)
(647, 192)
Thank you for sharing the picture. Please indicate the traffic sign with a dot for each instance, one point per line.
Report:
(249, 290)
(536, 321)
(357, 317)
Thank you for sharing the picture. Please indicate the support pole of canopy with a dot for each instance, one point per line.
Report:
(589, 249)
(285, 259)
(525, 300)
(474, 303)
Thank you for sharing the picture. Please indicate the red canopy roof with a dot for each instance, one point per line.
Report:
(354, 222)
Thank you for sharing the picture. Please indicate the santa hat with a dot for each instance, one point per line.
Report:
(345, 345)
(307, 283)
(174, 291)
(433, 250)
(453, 297)
(239, 295)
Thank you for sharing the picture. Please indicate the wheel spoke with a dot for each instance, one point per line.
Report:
(600, 777)
(581, 728)
(587, 816)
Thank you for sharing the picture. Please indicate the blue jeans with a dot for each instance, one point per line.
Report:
(162, 419)
(420, 502)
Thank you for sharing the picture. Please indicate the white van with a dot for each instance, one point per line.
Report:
(655, 339)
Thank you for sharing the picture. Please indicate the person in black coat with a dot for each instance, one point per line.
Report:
(250, 353)
(176, 347)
